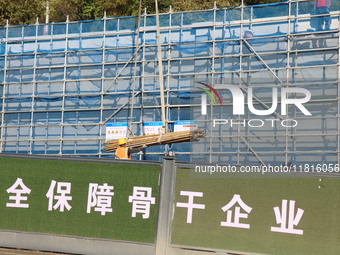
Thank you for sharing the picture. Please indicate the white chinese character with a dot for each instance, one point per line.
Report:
(141, 200)
(63, 188)
(236, 224)
(190, 205)
(281, 218)
(100, 197)
(19, 192)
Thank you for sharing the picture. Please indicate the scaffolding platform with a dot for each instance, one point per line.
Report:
(62, 83)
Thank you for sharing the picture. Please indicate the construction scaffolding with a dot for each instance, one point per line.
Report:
(61, 83)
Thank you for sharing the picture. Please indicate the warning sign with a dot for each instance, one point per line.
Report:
(185, 125)
(152, 128)
(116, 130)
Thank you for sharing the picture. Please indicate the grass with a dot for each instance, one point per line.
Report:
(38, 174)
(320, 221)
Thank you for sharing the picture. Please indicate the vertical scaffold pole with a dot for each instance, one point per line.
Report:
(4, 85)
(240, 79)
(47, 18)
(160, 67)
(31, 141)
(132, 104)
(338, 117)
(288, 72)
(63, 103)
(102, 81)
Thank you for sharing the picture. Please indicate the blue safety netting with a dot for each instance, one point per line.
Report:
(62, 82)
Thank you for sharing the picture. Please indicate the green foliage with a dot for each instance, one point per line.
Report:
(21, 11)
(89, 10)
(60, 9)
(26, 11)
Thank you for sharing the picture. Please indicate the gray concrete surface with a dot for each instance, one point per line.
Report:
(72, 245)
(7, 251)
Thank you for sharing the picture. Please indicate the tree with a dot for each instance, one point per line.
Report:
(26, 11)
(116, 8)
(21, 11)
(60, 9)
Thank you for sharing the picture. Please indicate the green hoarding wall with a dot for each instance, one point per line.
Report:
(74, 220)
(319, 198)
(310, 224)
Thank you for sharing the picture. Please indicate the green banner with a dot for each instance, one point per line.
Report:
(97, 200)
(258, 215)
